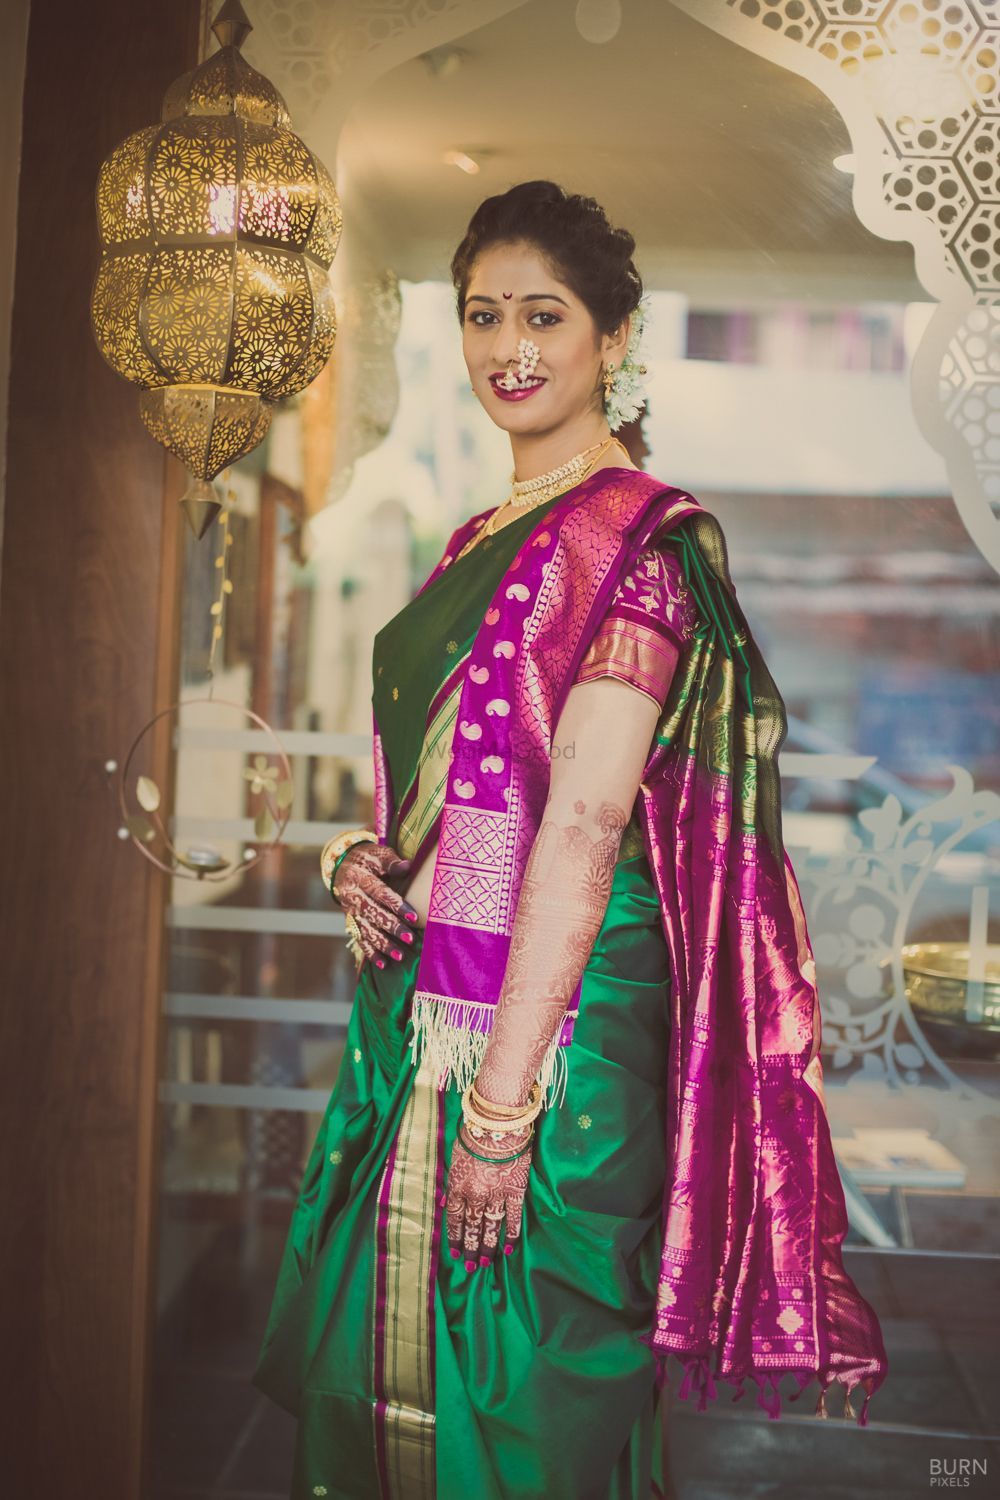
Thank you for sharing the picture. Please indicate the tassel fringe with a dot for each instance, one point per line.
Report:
(454, 1049)
(697, 1384)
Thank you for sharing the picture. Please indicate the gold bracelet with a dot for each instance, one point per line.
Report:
(334, 850)
(507, 1126)
(494, 1130)
(496, 1136)
(497, 1161)
(510, 1111)
(508, 1123)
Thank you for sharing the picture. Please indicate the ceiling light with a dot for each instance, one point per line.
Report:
(598, 21)
(460, 159)
(442, 62)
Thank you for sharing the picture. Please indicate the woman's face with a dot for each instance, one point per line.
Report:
(513, 295)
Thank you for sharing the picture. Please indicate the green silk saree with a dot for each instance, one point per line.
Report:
(411, 1377)
(684, 1197)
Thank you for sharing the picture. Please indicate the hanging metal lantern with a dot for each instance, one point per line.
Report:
(218, 229)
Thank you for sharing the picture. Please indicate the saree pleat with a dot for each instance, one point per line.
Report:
(413, 1378)
(543, 1364)
(403, 1346)
(317, 1354)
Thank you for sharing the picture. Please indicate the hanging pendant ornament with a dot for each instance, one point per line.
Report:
(218, 229)
(270, 779)
(142, 820)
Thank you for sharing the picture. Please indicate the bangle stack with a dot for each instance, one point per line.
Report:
(493, 1161)
(485, 1122)
(335, 849)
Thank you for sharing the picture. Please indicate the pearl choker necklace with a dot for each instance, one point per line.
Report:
(524, 491)
(527, 493)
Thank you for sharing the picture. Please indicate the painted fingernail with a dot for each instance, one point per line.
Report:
(455, 1253)
(409, 914)
(484, 1260)
(470, 1265)
(395, 953)
(380, 963)
(508, 1249)
(406, 937)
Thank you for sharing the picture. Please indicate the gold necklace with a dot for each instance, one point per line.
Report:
(527, 494)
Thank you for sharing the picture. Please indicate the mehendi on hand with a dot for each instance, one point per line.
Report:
(383, 918)
(563, 900)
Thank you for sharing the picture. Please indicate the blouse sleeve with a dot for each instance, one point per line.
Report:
(651, 618)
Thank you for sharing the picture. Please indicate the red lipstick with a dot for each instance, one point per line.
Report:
(519, 393)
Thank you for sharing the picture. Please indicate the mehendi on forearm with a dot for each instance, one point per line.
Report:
(562, 903)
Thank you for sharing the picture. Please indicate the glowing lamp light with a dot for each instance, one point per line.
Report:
(462, 161)
(218, 228)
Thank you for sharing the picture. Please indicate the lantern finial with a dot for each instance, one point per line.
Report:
(232, 25)
(201, 504)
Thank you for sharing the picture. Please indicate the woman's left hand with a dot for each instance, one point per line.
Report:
(480, 1196)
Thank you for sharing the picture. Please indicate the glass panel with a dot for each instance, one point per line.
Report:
(785, 392)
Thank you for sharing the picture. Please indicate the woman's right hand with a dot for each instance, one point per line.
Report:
(385, 920)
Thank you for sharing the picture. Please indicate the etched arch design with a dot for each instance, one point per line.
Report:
(324, 55)
(917, 83)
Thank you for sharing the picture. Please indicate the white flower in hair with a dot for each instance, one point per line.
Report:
(627, 396)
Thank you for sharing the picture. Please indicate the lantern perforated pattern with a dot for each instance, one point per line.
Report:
(218, 229)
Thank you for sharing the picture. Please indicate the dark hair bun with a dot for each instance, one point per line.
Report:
(587, 252)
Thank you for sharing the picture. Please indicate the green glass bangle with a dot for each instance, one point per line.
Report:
(495, 1161)
(340, 860)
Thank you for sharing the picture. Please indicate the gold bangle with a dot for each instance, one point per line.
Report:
(508, 1123)
(511, 1111)
(488, 1122)
(511, 1116)
(334, 850)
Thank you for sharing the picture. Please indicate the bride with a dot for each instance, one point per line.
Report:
(579, 1123)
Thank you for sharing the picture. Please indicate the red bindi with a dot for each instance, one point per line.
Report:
(507, 296)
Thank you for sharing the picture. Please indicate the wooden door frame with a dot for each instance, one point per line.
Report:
(89, 621)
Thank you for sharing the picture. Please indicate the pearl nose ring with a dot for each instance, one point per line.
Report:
(527, 357)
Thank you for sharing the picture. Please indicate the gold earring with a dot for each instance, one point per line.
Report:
(608, 380)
